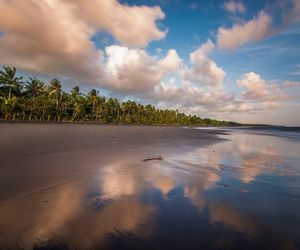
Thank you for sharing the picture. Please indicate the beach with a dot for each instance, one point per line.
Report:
(87, 186)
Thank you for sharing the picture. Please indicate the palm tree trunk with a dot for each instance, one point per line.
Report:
(9, 91)
(57, 109)
(93, 109)
(43, 114)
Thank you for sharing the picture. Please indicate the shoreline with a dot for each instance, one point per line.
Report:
(107, 124)
(240, 126)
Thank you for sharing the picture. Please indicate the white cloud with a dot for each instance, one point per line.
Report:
(171, 63)
(54, 37)
(208, 100)
(256, 29)
(234, 7)
(130, 25)
(130, 70)
(257, 89)
(40, 36)
(166, 81)
(134, 71)
(204, 70)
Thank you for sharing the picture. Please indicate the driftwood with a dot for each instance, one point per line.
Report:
(159, 158)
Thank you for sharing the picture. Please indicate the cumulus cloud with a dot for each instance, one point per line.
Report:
(256, 29)
(257, 89)
(40, 36)
(257, 95)
(234, 7)
(166, 81)
(55, 36)
(171, 63)
(130, 25)
(203, 69)
(134, 71)
(185, 95)
(208, 100)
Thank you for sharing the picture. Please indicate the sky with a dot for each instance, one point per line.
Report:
(229, 60)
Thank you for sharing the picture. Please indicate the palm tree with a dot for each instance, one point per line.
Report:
(34, 87)
(80, 108)
(93, 97)
(9, 79)
(101, 110)
(75, 99)
(55, 91)
(8, 107)
(75, 92)
(52, 102)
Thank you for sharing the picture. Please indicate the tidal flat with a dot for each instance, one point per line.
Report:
(67, 186)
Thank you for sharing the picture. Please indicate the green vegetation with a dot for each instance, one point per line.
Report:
(33, 100)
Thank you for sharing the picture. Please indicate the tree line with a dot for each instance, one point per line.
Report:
(34, 100)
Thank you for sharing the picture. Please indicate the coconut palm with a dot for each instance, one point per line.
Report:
(8, 107)
(55, 91)
(80, 108)
(93, 98)
(75, 102)
(34, 87)
(9, 80)
(75, 92)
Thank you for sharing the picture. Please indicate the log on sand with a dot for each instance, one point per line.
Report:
(159, 158)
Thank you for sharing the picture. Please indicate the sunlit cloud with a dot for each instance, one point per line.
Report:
(254, 30)
(204, 70)
(60, 41)
(257, 89)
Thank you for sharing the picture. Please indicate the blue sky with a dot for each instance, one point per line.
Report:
(191, 23)
(234, 60)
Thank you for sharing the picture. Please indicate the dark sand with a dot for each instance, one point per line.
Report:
(34, 157)
(87, 186)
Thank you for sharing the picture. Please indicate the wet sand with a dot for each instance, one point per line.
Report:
(86, 186)
(34, 156)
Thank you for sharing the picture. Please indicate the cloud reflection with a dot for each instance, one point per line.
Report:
(87, 211)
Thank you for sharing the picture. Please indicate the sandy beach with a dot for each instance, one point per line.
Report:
(34, 157)
(86, 186)
(149, 124)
